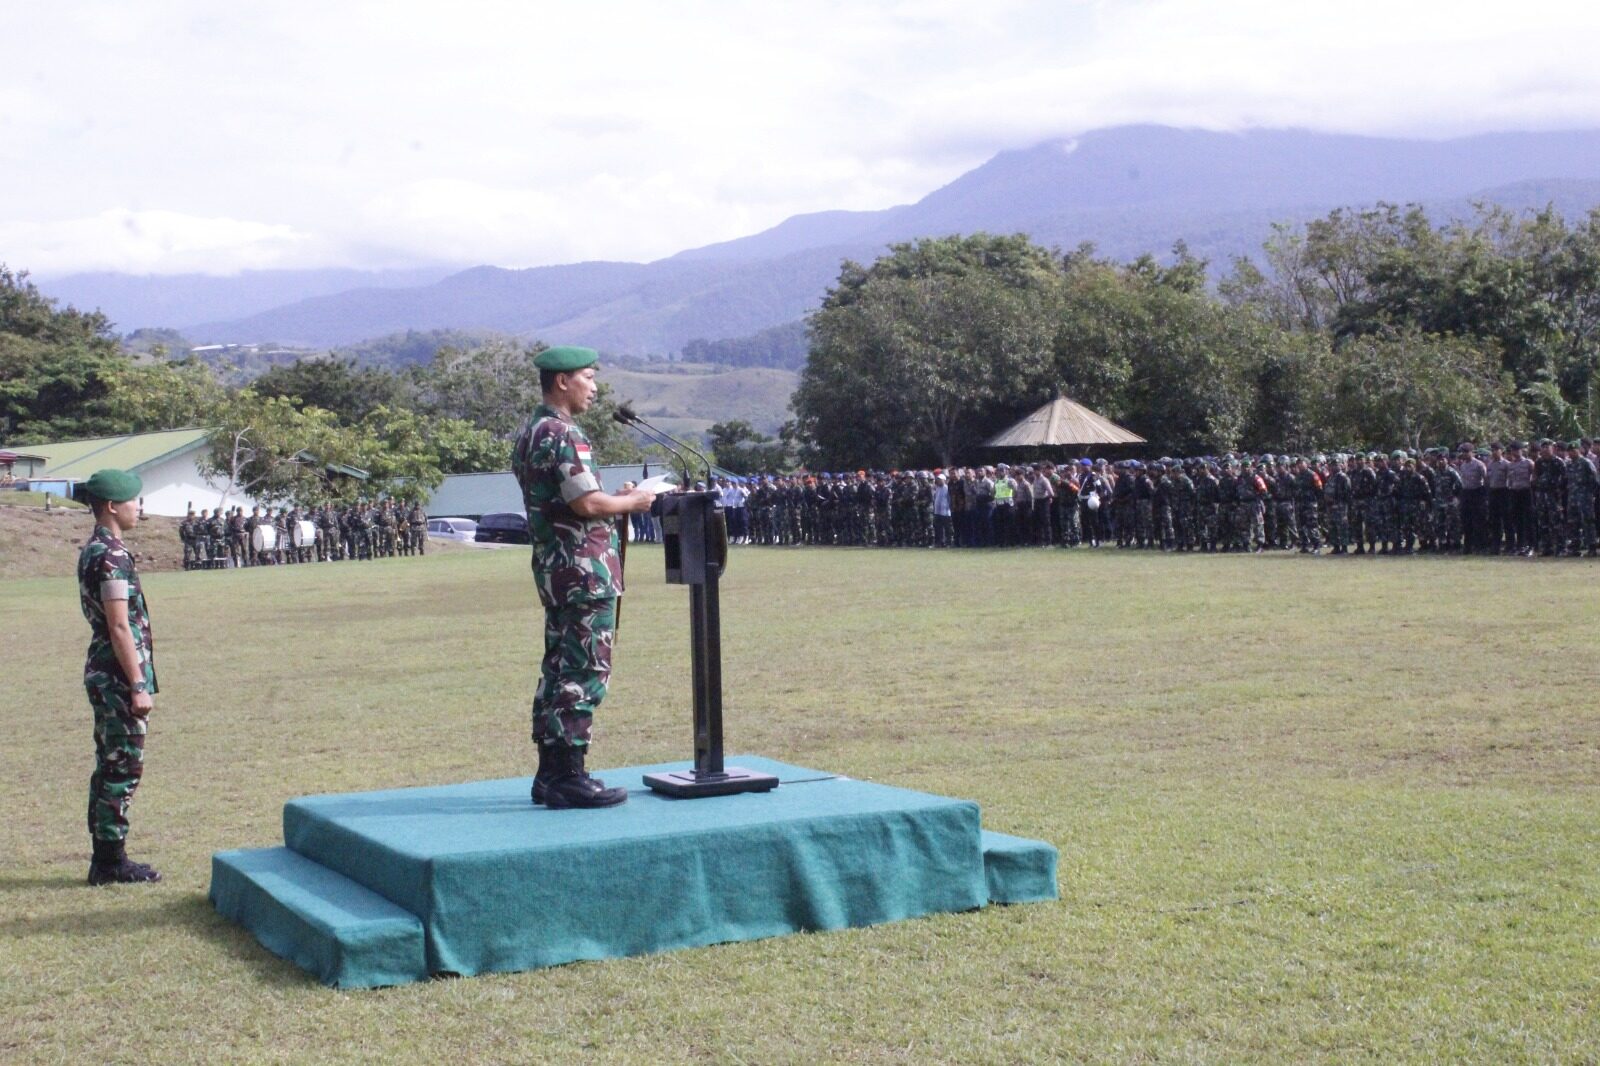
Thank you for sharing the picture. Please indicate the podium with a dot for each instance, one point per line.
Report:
(694, 534)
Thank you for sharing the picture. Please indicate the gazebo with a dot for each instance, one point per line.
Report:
(1063, 423)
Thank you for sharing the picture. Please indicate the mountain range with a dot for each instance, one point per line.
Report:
(1129, 190)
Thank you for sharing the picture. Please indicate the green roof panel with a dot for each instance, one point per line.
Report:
(134, 451)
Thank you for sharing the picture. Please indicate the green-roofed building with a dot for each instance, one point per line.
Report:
(165, 461)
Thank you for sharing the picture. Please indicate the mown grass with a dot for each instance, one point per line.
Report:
(1308, 810)
(14, 498)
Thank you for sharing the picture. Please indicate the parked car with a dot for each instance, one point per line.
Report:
(505, 527)
(452, 528)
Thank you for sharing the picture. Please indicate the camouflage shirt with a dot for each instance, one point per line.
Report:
(574, 559)
(106, 572)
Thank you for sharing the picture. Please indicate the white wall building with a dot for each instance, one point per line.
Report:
(165, 461)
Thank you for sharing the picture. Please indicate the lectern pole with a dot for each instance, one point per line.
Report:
(695, 544)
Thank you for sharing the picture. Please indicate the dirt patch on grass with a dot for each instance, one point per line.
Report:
(39, 543)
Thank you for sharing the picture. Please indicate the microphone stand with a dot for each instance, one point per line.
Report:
(626, 415)
(695, 546)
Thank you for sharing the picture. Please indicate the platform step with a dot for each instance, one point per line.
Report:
(346, 935)
(1018, 870)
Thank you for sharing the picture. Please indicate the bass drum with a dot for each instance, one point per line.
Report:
(264, 539)
(304, 534)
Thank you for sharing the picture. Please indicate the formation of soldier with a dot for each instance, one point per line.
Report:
(225, 538)
(1497, 499)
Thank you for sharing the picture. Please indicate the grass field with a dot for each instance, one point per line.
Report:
(1323, 810)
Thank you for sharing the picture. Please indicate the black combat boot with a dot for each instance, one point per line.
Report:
(541, 776)
(569, 786)
(111, 866)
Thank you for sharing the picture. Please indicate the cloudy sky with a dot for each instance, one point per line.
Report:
(168, 136)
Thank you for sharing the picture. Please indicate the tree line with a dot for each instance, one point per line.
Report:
(64, 375)
(1369, 328)
(1362, 329)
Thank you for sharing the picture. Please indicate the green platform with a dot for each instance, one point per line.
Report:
(379, 888)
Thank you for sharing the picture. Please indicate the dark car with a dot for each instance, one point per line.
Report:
(506, 527)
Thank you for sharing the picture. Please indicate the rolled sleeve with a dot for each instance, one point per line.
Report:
(579, 484)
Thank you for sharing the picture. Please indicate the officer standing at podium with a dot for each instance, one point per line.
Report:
(578, 571)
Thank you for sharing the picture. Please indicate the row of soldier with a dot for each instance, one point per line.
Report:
(224, 537)
(1494, 499)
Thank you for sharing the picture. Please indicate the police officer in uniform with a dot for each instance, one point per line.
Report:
(577, 570)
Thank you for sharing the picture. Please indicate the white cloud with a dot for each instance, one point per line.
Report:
(302, 133)
(156, 242)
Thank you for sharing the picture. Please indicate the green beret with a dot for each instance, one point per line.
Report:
(566, 358)
(113, 486)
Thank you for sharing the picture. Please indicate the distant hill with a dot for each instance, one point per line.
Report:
(1129, 190)
(680, 396)
(136, 301)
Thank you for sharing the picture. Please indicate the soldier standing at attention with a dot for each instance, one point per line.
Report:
(578, 574)
(238, 539)
(1308, 497)
(1549, 483)
(191, 554)
(418, 521)
(1336, 496)
(1583, 484)
(119, 673)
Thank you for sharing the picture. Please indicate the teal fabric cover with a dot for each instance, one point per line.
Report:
(501, 884)
(1019, 870)
(344, 934)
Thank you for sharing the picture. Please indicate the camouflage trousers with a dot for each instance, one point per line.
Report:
(1338, 515)
(1380, 528)
(1145, 511)
(118, 757)
(1067, 519)
(576, 667)
(1409, 524)
(1183, 525)
(1308, 522)
(1447, 523)
(1580, 521)
(1549, 521)
(1287, 534)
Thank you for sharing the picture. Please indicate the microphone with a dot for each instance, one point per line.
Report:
(628, 417)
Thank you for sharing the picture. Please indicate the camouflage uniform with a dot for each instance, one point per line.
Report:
(1336, 494)
(1549, 484)
(191, 545)
(578, 573)
(1582, 486)
(238, 540)
(1308, 497)
(106, 572)
(1284, 491)
(418, 521)
(1446, 507)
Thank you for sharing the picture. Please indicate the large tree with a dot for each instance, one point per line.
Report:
(55, 366)
(336, 385)
(913, 357)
